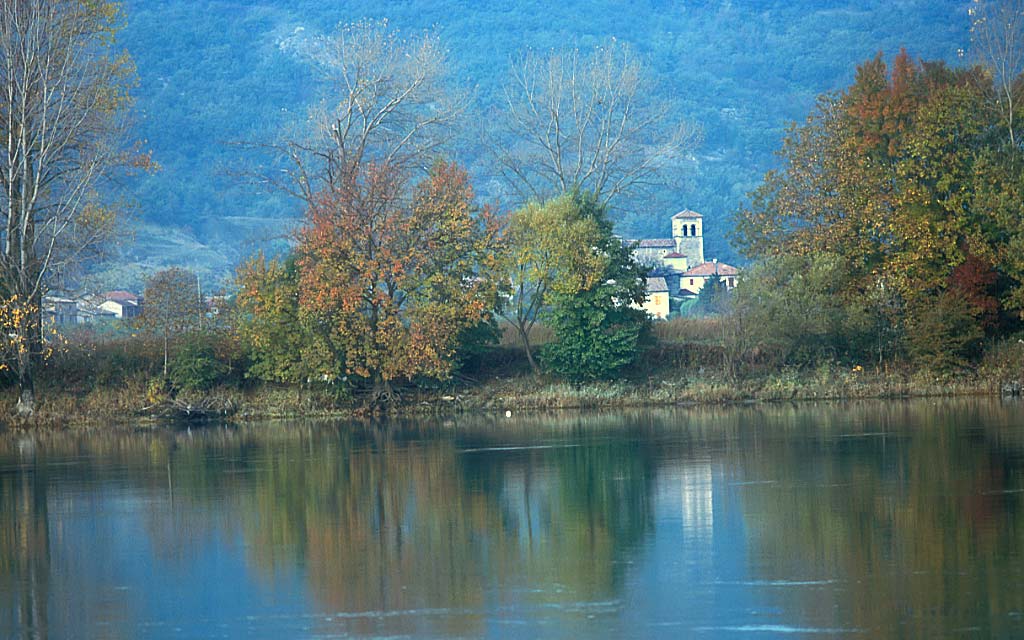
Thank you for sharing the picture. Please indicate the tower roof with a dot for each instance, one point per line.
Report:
(686, 213)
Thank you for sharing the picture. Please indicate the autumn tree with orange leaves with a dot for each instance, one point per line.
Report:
(397, 273)
(908, 178)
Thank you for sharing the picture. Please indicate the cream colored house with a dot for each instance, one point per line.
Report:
(123, 304)
(656, 303)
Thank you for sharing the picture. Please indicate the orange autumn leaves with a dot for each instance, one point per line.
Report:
(396, 274)
(905, 175)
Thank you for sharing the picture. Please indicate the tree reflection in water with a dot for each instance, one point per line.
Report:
(456, 523)
(909, 514)
(894, 519)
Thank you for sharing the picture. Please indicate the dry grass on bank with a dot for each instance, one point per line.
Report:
(680, 330)
(683, 367)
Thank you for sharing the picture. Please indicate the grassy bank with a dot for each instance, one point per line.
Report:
(120, 382)
(61, 406)
(530, 394)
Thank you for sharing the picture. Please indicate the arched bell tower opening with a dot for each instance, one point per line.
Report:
(688, 233)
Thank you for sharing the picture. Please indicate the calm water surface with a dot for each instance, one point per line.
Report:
(875, 520)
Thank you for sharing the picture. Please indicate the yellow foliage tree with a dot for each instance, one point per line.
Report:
(550, 248)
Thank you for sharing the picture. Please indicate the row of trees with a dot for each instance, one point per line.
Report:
(381, 288)
(388, 110)
(397, 267)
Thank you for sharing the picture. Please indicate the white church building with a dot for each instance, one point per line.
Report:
(678, 265)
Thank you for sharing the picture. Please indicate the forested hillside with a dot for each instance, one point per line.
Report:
(219, 72)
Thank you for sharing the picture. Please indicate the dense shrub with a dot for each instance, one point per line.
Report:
(946, 335)
(195, 365)
(794, 309)
(594, 338)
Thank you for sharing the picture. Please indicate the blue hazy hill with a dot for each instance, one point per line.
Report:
(217, 72)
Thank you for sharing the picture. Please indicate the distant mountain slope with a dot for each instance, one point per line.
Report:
(217, 72)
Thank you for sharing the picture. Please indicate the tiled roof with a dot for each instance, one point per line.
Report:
(675, 254)
(656, 285)
(122, 302)
(686, 213)
(121, 296)
(710, 269)
(657, 243)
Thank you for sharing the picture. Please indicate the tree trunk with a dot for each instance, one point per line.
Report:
(165, 356)
(26, 388)
(29, 354)
(525, 336)
(383, 395)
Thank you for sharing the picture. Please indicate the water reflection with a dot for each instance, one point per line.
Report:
(25, 548)
(885, 519)
(386, 525)
(914, 514)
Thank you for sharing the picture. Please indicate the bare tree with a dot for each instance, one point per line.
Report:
(386, 100)
(65, 94)
(172, 306)
(997, 35)
(585, 119)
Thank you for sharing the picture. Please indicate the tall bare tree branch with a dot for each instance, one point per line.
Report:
(584, 119)
(386, 99)
(997, 37)
(62, 127)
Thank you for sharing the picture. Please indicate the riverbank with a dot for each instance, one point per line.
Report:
(132, 403)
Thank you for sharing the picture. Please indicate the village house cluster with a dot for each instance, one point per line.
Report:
(113, 306)
(91, 308)
(677, 269)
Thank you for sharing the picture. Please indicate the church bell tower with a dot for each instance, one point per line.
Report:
(688, 233)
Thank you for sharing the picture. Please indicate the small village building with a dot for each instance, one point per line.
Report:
(656, 304)
(679, 263)
(67, 311)
(693, 280)
(123, 304)
(122, 309)
(60, 311)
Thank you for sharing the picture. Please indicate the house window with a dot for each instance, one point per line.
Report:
(693, 230)
(684, 230)
(691, 282)
(732, 283)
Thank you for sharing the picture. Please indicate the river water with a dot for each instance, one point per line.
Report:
(874, 519)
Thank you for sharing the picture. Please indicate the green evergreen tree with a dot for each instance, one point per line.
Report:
(713, 298)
